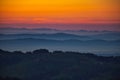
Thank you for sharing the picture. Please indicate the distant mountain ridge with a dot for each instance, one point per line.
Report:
(55, 36)
(68, 40)
(62, 36)
(49, 30)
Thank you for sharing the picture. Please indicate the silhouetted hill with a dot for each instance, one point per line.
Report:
(42, 64)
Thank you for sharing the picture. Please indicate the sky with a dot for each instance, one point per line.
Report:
(60, 12)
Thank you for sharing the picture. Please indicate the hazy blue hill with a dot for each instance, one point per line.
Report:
(64, 36)
(107, 36)
(62, 42)
(95, 46)
(56, 36)
(58, 65)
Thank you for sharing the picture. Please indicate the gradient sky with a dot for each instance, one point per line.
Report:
(60, 12)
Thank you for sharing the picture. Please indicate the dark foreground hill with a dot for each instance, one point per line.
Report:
(57, 65)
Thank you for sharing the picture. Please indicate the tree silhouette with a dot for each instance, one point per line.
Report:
(9, 78)
(57, 65)
(40, 51)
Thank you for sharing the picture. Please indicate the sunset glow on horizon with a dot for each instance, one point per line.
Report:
(59, 12)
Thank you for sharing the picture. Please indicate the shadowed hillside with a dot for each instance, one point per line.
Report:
(57, 65)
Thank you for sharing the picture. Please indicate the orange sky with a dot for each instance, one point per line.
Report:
(59, 11)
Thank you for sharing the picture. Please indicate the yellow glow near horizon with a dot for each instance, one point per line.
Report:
(60, 11)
